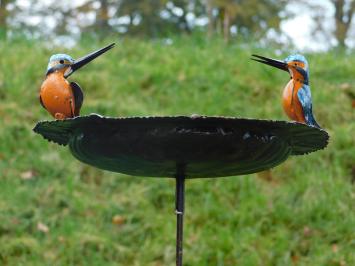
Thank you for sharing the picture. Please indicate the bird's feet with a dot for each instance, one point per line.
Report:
(59, 116)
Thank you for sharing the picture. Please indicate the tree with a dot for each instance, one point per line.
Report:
(150, 18)
(144, 16)
(227, 11)
(3, 18)
(102, 16)
(209, 10)
(250, 18)
(100, 9)
(344, 11)
(178, 18)
(342, 20)
(160, 17)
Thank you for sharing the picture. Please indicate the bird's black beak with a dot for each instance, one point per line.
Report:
(271, 62)
(86, 59)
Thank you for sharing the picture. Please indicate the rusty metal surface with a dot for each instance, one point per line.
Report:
(205, 146)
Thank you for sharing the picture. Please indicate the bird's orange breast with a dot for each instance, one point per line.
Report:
(290, 102)
(57, 96)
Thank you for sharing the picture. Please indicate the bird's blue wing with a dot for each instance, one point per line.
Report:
(305, 98)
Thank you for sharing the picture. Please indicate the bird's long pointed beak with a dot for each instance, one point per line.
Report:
(86, 59)
(271, 62)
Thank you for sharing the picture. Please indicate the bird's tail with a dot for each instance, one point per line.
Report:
(312, 121)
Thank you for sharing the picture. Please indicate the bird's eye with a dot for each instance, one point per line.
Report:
(61, 61)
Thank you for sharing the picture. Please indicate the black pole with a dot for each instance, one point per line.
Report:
(179, 210)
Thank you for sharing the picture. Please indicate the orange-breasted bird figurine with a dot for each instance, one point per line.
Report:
(296, 98)
(63, 99)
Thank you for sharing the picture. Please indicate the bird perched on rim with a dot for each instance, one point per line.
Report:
(296, 98)
(59, 97)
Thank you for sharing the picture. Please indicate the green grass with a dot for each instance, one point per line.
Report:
(304, 216)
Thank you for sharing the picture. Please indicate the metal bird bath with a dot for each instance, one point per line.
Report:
(182, 147)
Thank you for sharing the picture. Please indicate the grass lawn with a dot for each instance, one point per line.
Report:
(55, 210)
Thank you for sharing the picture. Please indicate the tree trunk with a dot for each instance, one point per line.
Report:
(102, 17)
(210, 18)
(3, 17)
(226, 25)
(219, 21)
(342, 20)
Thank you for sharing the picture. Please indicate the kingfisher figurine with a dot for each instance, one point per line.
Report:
(63, 99)
(296, 98)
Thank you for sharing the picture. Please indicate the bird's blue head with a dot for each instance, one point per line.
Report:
(67, 65)
(297, 58)
(59, 62)
(295, 64)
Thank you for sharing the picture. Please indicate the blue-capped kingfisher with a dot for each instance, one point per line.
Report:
(61, 98)
(296, 98)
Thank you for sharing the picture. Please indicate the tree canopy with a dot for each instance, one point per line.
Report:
(157, 18)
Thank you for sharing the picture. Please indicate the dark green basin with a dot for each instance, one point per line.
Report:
(205, 146)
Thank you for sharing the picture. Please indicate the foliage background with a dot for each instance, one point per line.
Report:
(55, 210)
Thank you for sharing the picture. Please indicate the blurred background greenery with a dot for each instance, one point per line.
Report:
(176, 58)
(326, 24)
